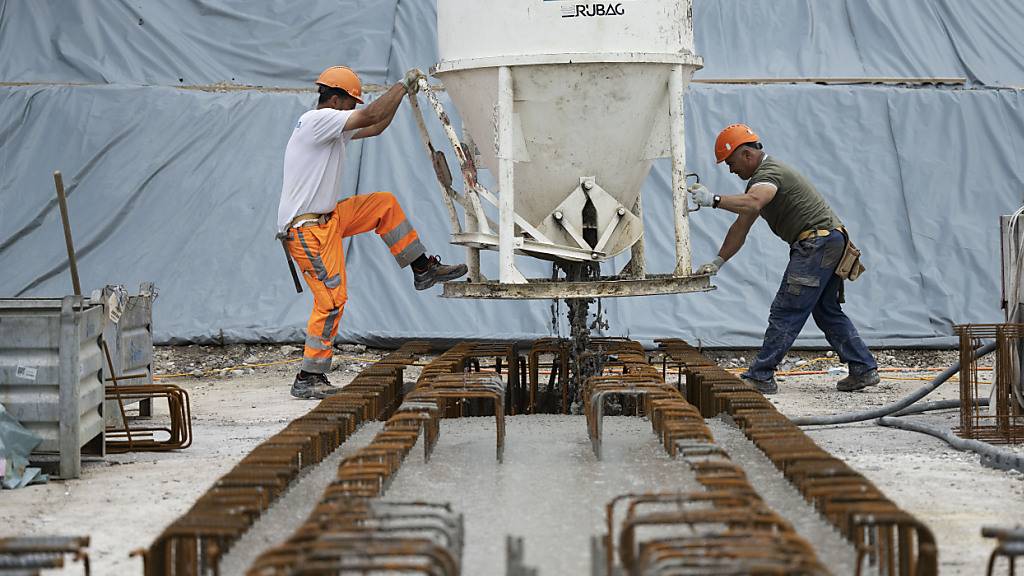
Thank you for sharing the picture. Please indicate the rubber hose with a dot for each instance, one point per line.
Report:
(991, 456)
(937, 405)
(894, 406)
(1012, 534)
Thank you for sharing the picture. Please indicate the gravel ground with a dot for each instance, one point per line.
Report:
(812, 359)
(246, 359)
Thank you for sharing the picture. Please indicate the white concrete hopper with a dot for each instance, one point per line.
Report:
(567, 103)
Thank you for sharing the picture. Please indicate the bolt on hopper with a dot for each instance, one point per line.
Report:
(567, 104)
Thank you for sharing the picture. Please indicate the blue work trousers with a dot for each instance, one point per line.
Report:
(810, 287)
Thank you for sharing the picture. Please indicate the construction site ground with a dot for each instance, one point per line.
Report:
(240, 396)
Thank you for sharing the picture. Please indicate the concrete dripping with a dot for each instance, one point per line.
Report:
(585, 359)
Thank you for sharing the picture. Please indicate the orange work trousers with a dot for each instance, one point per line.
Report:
(319, 253)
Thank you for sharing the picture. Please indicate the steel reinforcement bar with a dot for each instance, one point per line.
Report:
(194, 543)
(352, 528)
(31, 555)
(883, 535)
(727, 529)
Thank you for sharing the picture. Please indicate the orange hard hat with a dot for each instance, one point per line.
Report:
(732, 138)
(342, 77)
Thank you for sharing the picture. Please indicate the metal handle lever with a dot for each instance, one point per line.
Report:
(688, 208)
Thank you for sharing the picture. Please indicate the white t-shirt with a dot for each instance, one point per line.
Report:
(313, 164)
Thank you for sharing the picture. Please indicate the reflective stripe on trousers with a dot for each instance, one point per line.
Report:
(319, 252)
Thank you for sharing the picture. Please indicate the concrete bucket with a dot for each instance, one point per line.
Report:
(567, 104)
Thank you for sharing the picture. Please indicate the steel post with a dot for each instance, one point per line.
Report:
(677, 131)
(506, 182)
(69, 380)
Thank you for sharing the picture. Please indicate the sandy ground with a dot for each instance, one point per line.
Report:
(124, 502)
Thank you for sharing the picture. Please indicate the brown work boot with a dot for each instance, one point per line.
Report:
(853, 383)
(436, 272)
(312, 386)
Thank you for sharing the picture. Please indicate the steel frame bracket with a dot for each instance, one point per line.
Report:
(606, 287)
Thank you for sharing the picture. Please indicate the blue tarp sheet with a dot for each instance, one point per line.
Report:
(285, 43)
(180, 187)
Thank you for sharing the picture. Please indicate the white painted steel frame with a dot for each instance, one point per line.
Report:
(477, 234)
(507, 241)
(678, 142)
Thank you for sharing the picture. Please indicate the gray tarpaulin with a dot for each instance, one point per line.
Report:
(975, 40)
(285, 43)
(180, 187)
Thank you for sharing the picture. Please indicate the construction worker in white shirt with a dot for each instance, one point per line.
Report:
(313, 218)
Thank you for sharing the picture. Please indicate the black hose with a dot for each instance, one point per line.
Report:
(894, 406)
(937, 405)
(991, 456)
(1016, 533)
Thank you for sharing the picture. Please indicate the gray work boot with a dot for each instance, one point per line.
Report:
(312, 386)
(765, 387)
(436, 272)
(853, 383)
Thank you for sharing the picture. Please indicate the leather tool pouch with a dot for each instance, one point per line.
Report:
(849, 267)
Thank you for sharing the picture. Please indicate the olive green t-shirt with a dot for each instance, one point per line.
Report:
(797, 206)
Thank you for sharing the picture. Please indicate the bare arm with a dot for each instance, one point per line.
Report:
(752, 202)
(377, 115)
(747, 207)
(736, 235)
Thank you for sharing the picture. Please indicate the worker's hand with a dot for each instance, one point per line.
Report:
(412, 80)
(712, 267)
(700, 195)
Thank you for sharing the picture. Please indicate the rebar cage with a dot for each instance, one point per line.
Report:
(1002, 421)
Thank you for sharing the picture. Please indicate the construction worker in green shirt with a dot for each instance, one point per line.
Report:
(800, 216)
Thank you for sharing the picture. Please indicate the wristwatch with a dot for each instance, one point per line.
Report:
(715, 200)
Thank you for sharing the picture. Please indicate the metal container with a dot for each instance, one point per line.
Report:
(50, 365)
(130, 341)
(591, 100)
(568, 104)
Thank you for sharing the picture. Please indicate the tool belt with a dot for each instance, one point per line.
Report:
(311, 219)
(849, 267)
(812, 234)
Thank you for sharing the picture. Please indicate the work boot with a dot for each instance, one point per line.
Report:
(853, 383)
(436, 272)
(312, 386)
(765, 387)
